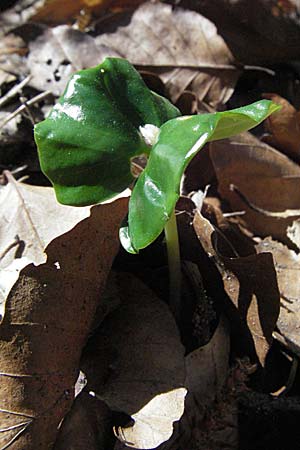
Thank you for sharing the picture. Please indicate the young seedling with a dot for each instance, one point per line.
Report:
(107, 116)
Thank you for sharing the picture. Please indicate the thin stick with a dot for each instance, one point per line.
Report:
(14, 90)
(171, 234)
(21, 108)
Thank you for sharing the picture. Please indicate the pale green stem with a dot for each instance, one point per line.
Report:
(172, 242)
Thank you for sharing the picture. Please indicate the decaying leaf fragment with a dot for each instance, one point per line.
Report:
(47, 318)
(250, 283)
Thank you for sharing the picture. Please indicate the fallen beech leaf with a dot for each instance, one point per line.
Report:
(284, 127)
(153, 424)
(268, 179)
(183, 46)
(287, 265)
(60, 51)
(146, 379)
(207, 377)
(250, 282)
(207, 367)
(29, 223)
(48, 315)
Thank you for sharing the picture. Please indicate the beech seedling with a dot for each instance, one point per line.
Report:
(107, 116)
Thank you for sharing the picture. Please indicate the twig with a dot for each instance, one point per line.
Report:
(212, 66)
(14, 90)
(21, 108)
(24, 102)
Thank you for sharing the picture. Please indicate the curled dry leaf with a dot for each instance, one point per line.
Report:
(265, 177)
(47, 318)
(287, 265)
(284, 128)
(250, 283)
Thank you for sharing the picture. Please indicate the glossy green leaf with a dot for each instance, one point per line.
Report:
(86, 143)
(157, 189)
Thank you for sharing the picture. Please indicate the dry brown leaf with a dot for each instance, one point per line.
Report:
(183, 46)
(250, 282)
(267, 178)
(12, 55)
(54, 12)
(147, 376)
(207, 376)
(60, 51)
(284, 128)
(287, 265)
(205, 385)
(29, 223)
(154, 38)
(47, 318)
(257, 31)
(88, 425)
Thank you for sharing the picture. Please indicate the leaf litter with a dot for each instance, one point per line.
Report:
(251, 236)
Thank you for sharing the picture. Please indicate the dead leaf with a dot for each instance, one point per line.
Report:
(267, 178)
(257, 32)
(287, 265)
(182, 46)
(48, 315)
(60, 51)
(88, 425)
(213, 414)
(29, 223)
(12, 55)
(206, 372)
(250, 283)
(153, 424)
(201, 61)
(146, 378)
(284, 128)
(54, 12)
